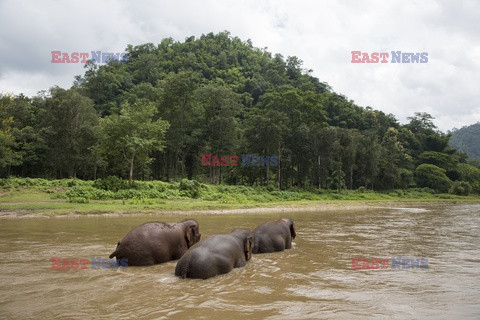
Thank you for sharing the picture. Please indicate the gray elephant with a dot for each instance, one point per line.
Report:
(274, 236)
(216, 255)
(157, 242)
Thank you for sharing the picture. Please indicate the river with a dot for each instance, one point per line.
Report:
(313, 280)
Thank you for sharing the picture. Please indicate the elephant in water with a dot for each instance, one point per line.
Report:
(157, 242)
(274, 236)
(216, 255)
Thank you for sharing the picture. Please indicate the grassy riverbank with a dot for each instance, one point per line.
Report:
(19, 197)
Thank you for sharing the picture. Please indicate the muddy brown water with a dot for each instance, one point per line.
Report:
(313, 280)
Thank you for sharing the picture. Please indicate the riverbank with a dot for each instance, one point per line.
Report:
(31, 203)
(25, 197)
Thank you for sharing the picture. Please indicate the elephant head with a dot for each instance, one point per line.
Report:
(247, 238)
(291, 226)
(248, 247)
(192, 232)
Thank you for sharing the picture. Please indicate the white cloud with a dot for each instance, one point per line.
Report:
(321, 33)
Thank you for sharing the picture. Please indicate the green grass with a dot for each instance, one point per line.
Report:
(58, 197)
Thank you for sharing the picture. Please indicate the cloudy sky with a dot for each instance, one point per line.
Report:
(321, 33)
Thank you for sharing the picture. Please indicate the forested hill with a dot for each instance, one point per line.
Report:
(154, 115)
(467, 139)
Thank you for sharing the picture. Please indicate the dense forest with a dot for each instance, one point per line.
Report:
(467, 139)
(153, 116)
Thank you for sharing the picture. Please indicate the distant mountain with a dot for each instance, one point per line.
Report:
(467, 139)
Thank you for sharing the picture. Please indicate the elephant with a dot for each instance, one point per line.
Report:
(157, 242)
(216, 255)
(274, 236)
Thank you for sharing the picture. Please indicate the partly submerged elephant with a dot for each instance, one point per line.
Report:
(157, 242)
(274, 236)
(216, 255)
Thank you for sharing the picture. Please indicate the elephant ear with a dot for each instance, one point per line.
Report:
(292, 229)
(190, 235)
(248, 246)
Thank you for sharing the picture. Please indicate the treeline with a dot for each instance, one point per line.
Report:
(153, 116)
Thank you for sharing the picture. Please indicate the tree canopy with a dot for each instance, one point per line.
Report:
(154, 115)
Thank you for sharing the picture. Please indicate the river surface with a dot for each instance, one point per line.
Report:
(313, 280)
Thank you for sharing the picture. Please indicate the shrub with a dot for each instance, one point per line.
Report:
(470, 174)
(190, 188)
(111, 183)
(78, 195)
(78, 200)
(431, 176)
(5, 183)
(361, 189)
(460, 188)
(138, 194)
(71, 183)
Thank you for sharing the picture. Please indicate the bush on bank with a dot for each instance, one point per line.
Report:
(113, 188)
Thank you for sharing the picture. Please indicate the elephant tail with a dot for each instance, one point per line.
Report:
(114, 253)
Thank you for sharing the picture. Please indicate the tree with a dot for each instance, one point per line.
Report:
(221, 107)
(220, 95)
(104, 85)
(368, 160)
(393, 159)
(326, 148)
(264, 132)
(8, 156)
(442, 160)
(470, 174)
(431, 176)
(421, 122)
(184, 114)
(350, 142)
(66, 124)
(133, 134)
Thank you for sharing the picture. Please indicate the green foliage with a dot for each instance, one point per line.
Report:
(442, 160)
(460, 188)
(42, 184)
(337, 180)
(78, 195)
(132, 134)
(66, 124)
(190, 188)
(137, 194)
(42, 195)
(111, 183)
(471, 175)
(88, 193)
(467, 139)
(431, 176)
(8, 156)
(421, 122)
(151, 118)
